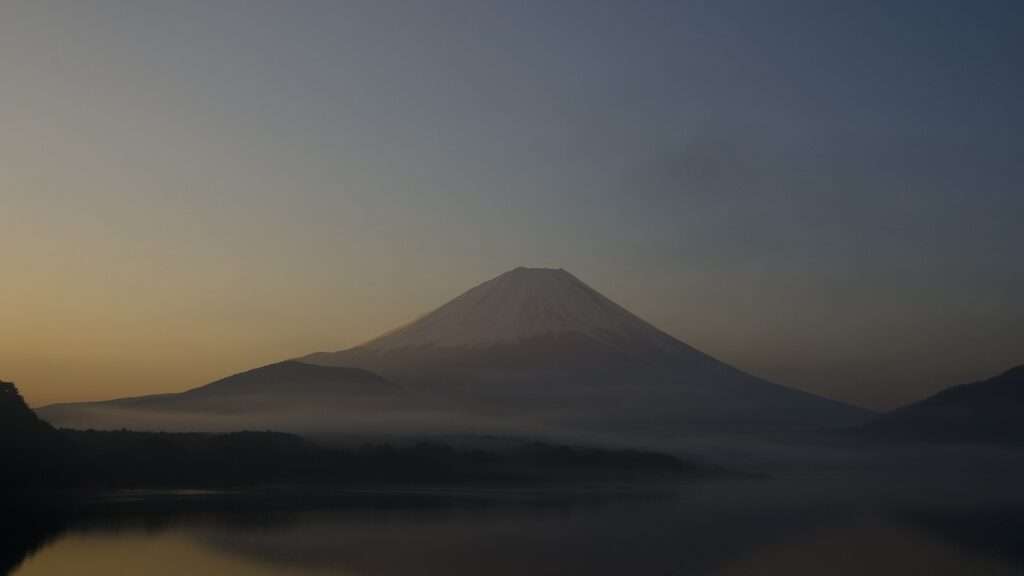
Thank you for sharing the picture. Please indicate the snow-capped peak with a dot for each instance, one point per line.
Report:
(521, 304)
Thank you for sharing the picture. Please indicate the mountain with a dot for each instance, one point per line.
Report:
(16, 418)
(30, 449)
(520, 305)
(539, 348)
(989, 411)
(532, 351)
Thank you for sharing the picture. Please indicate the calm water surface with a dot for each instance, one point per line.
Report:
(721, 530)
(928, 521)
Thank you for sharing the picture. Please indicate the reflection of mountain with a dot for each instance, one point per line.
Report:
(25, 528)
(531, 351)
(990, 411)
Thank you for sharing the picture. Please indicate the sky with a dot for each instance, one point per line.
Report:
(825, 194)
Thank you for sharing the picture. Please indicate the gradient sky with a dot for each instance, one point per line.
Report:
(826, 194)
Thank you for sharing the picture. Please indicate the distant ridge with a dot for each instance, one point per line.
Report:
(987, 411)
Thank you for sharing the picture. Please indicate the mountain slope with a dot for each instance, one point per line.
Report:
(288, 395)
(988, 411)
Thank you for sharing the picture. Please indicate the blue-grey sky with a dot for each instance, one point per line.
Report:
(826, 194)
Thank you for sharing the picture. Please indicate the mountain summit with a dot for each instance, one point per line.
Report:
(519, 305)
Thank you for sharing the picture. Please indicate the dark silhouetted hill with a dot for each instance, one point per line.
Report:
(33, 453)
(989, 411)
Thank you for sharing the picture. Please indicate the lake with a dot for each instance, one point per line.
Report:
(827, 522)
(736, 527)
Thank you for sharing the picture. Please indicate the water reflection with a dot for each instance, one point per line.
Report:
(727, 529)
